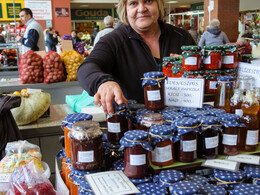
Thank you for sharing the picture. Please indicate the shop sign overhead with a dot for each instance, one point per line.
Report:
(7, 11)
(90, 14)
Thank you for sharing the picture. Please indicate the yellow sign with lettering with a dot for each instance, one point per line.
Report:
(7, 10)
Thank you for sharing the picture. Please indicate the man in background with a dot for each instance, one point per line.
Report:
(33, 38)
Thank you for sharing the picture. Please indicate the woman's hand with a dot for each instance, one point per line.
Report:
(105, 95)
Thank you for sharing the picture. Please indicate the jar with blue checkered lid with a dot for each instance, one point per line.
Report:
(187, 134)
(225, 91)
(245, 188)
(185, 187)
(162, 137)
(153, 84)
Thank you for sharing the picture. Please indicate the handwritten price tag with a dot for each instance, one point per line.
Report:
(244, 158)
(221, 164)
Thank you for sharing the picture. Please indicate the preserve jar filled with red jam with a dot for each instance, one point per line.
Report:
(86, 145)
(187, 129)
(230, 58)
(153, 84)
(161, 137)
(208, 137)
(225, 91)
(170, 117)
(177, 70)
(150, 119)
(139, 117)
(117, 123)
(167, 65)
(193, 74)
(191, 58)
(211, 80)
(231, 134)
(212, 57)
(136, 146)
(67, 126)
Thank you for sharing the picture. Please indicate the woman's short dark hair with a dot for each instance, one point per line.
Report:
(27, 11)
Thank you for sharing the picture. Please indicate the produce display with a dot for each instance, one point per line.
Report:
(31, 69)
(10, 53)
(79, 47)
(66, 37)
(72, 61)
(53, 68)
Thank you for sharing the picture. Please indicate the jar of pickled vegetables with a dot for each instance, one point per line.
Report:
(153, 83)
(177, 70)
(211, 81)
(191, 58)
(67, 125)
(193, 74)
(167, 65)
(161, 137)
(136, 147)
(230, 58)
(212, 57)
(225, 91)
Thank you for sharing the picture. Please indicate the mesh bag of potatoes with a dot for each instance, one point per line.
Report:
(72, 61)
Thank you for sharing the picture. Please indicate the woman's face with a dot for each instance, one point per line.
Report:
(142, 14)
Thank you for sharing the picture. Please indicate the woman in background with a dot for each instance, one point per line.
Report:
(51, 39)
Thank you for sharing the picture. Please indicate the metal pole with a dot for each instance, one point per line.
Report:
(16, 43)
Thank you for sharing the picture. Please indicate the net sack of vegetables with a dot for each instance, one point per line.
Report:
(33, 106)
(72, 61)
(53, 68)
(31, 69)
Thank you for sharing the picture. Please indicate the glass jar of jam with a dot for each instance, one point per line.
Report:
(230, 59)
(170, 117)
(211, 81)
(117, 123)
(193, 74)
(169, 178)
(236, 102)
(151, 119)
(67, 125)
(136, 146)
(212, 57)
(229, 177)
(187, 132)
(177, 70)
(139, 117)
(191, 58)
(185, 187)
(86, 145)
(153, 83)
(231, 134)
(112, 154)
(167, 65)
(149, 188)
(208, 137)
(161, 137)
(225, 91)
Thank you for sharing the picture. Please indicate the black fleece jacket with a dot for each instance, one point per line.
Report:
(123, 56)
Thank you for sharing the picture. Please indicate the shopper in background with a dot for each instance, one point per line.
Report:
(109, 22)
(51, 39)
(74, 36)
(194, 34)
(213, 35)
(93, 36)
(114, 69)
(33, 38)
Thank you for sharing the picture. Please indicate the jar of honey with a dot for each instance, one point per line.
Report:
(230, 58)
(136, 146)
(187, 129)
(211, 81)
(150, 119)
(225, 91)
(67, 125)
(193, 74)
(161, 137)
(177, 70)
(191, 58)
(231, 134)
(167, 65)
(117, 123)
(212, 57)
(86, 145)
(208, 137)
(153, 83)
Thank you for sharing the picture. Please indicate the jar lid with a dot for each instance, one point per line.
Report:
(212, 71)
(197, 113)
(195, 73)
(206, 107)
(61, 154)
(153, 78)
(119, 164)
(228, 176)
(213, 47)
(230, 124)
(79, 173)
(246, 188)
(208, 120)
(170, 177)
(75, 117)
(256, 36)
(185, 187)
(230, 46)
(154, 74)
(135, 107)
(229, 117)
(172, 116)
(216, 111)
(110, 145)
(187, 109)
(129, 102)
(186, 122)
(161, 130)
(142, 111)
(169, 58)
(191, 48)
(178, 63)
(198, 179)
(152, 117)
(140, 181)
(233, 70)
(119, 107)
(169, 109)
(212, 189)
(135, 137)
(151, 188)
(226, 78)
(85, 188)
(252, 171)
(241, 124)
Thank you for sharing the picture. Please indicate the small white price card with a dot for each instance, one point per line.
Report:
(111, 183)
(5, 177)
(29, 90)
(184, 92)
(222, 164)
(245, 158)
